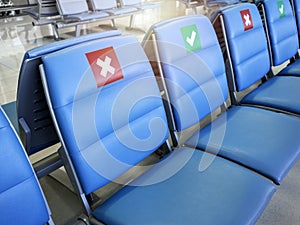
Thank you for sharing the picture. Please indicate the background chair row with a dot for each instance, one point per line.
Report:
(209, 6)
(61, 13)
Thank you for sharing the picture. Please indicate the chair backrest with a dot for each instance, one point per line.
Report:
(103, 5)
(35, 123)
(282, 30)
(192, 66)
(47, 8)
(296, 9)
(247, 44)
(71, 7)
(21, 198)
(107, 107)
(130, 2)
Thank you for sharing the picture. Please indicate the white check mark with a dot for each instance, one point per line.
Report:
(191, 40)
(281, 9)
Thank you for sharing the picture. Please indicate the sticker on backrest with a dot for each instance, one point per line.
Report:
(281, 9)
(191, 38)
(105, 66)
(247, 19)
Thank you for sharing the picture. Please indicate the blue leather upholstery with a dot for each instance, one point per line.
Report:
(224, 194)
(109, 129)
(281, 92)
(283, 33)
(21, 199)
(55, 46)
(183, 79)
(272, 139)
(36, 126)
(296, 8)
(251, 62)
(256, 127)
(293, 69)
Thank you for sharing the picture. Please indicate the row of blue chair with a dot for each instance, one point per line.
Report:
(283, 35)
(231, 144)
(107, 125)
(254, 59)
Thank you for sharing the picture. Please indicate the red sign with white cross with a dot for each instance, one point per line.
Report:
(105, 66)
(247, 19)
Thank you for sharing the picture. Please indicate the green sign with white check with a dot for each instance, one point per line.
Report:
(191, 38)
(281, 9)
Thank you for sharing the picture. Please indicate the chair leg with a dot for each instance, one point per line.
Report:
(113, 23)
(194, 10)
(77, 31)
(132, 17)
(55, 32)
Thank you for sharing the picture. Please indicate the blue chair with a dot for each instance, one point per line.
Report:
(139, 5)
(36, 127)
(75, 13)
(77, 10)
(21, 197)
(192, 66)
(111, 7)
(282, 35)
(45, 13)
(111, 121)
(249, 64)
(296, 10)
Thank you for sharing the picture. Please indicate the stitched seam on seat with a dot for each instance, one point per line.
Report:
(97, 91)
(239, 35)
(4, 126)
(109, 134)
(17, 184)
(279, 19)
(198, 86)
(195, 54)
(251, 57)
(290, 35)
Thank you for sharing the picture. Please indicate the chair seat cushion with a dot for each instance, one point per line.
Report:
(223, 2)
(265, 141)
(119, 11)
(146, 6)
(224, 193)
(292, 69)
(281, 92)
(87, 16)
(21, 199)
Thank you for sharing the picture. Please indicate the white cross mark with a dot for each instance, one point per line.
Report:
(247, 20)
(105, 65)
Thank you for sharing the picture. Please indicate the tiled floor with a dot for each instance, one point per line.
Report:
(18, 35)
